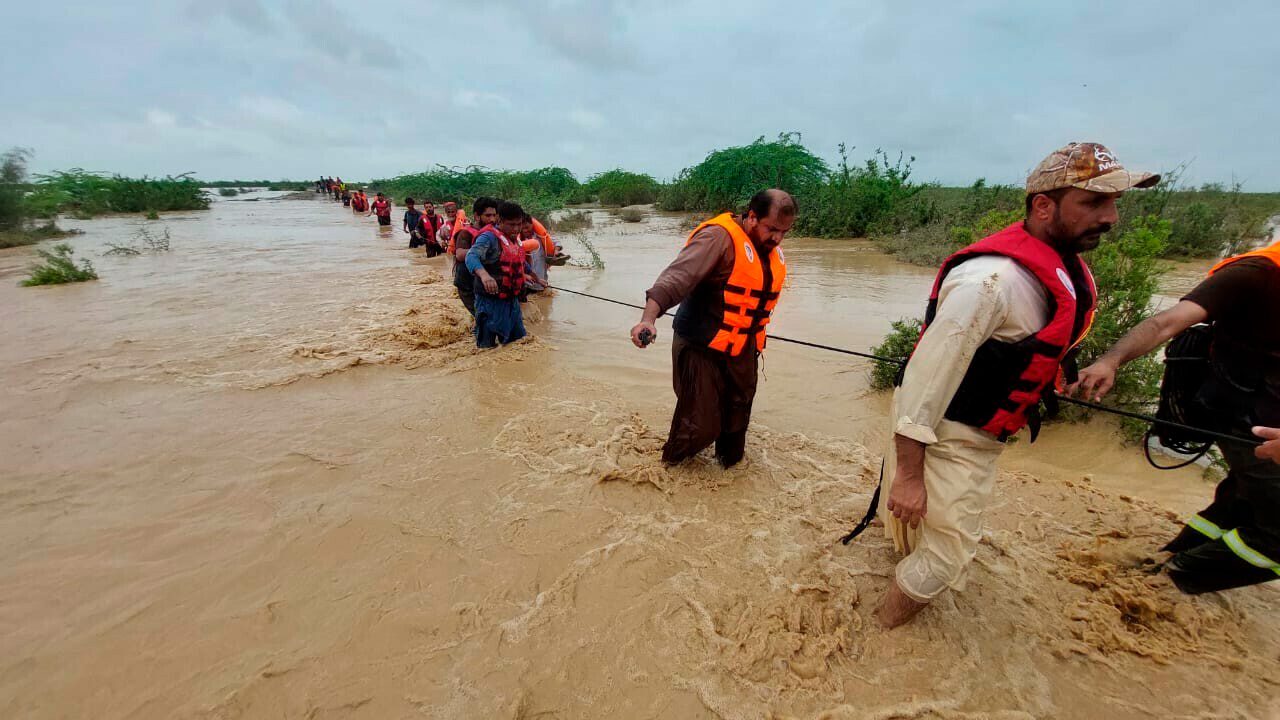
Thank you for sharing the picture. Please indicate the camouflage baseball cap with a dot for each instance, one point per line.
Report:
(1088, 166)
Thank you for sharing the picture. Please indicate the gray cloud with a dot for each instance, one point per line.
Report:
(304, 87)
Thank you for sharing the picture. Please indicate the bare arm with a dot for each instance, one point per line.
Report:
(1098, 379)
(908, 500)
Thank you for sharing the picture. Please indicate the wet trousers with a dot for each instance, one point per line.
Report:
(959, 477)
(714, 392)
(1236, 540)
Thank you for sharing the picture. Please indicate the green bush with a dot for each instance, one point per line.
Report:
(228, 192)
(631, 215)
(727, 178)
(854, 200)
(899, 343)
(13, 173)
(87, 194)
(58, 268)
(1127, 270)
(617, 188)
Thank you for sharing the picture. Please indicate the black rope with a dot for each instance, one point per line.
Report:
(1222, 437)
(779, 338)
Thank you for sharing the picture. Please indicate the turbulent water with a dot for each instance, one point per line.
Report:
(266, 474)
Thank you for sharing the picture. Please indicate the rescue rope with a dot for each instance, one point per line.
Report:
(1222, 437)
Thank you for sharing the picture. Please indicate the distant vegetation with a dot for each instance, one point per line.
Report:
(294, 185)
(570, 220)
(538, 191)
(86, 194)
(617, 188)
(58, 268)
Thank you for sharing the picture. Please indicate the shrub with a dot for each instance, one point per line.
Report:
(228, 192)
(631, 215)
(727, 178)
(58, 268)
(899, 343)
(538, 191)
(570, 221)
(87, 194)
(619, 187)
(854, 200)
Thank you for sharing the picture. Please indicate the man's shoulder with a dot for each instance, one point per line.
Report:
(997, 268)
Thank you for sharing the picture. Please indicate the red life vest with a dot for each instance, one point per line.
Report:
(381, 208)
(724, 318)
(430, 226)
(359, 202)
(1002, 389)
(508, 271)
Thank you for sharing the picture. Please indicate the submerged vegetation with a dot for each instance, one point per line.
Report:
(59, 267)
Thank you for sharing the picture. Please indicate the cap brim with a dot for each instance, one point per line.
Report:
(1119, 181)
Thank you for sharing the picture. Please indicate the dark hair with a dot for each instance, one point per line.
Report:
(762, 204)
(510, 211)
(526, 218)
(483, 203)
(408, 201)
(1055, 195)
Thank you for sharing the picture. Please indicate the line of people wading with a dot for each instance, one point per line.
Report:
(1002, 324)
(499, 260)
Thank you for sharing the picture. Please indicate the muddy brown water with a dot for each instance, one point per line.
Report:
(266, 475)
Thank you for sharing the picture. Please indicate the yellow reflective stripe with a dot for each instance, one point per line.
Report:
(1248, 554)
(1199, 523)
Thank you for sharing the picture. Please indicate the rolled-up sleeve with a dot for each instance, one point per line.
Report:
(699, 258)
(969, 310)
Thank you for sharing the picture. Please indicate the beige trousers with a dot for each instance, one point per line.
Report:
(959, 478)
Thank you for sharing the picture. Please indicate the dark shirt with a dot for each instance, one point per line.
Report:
(411, 220)
(1243, 301)
(462, 278)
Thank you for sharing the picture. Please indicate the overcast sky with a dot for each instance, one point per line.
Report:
(298, 88)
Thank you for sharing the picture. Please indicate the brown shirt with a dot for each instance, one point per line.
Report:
(707, 258)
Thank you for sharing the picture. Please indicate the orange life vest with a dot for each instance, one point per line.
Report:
(458, 224)
(746, 300)
(1271, 253)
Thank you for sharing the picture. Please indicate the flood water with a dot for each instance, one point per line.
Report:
(266, 474)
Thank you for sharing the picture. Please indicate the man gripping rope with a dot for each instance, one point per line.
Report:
(727, 280)
(1003, 316)
(1236, 540)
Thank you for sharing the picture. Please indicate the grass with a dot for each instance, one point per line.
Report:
(59, 268)
(88, 194)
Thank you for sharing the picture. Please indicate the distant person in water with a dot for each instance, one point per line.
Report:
(453, 219)
(382, 208)
(496, 259)
(486, 213)
(412, 223)
(429, 226)
(346, 196)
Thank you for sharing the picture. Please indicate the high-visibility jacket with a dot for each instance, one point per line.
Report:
(1005, 382)
(724, 318)
(1271, 253)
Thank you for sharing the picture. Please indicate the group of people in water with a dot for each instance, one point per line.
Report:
(501, 254)
(1001, 328)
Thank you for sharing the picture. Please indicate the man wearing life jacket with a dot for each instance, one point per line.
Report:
(727, 280)
(1235, 541)
(382, 208)
(1003, 316)
(453, 218)
(359, 202)
(430, 227)
(496, 259)
(486, 213)
(538, 246)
